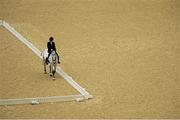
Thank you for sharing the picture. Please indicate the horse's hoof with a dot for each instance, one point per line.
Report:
(53, 78)
(50, 75)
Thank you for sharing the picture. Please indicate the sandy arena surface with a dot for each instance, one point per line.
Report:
(126, 53)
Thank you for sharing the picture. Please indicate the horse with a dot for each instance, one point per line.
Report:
(53, 60)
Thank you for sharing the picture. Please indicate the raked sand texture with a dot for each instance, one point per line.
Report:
(126, 53)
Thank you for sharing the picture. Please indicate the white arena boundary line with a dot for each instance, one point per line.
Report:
(39, 100)
(1, 22)
(84, 93)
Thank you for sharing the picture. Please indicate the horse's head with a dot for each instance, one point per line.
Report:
(53, 54)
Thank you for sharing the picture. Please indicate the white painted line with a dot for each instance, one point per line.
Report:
(38, 53)
(40, 100)
(22, 39)
(1, 22)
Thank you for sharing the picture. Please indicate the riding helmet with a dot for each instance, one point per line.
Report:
(51, 38)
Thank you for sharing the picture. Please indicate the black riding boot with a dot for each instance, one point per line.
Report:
(47, 59)
(58, 58)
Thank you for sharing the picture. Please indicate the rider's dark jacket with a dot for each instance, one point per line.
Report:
(51, 46)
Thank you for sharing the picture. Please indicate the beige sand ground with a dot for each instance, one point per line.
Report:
(23, 77)
(124, 52)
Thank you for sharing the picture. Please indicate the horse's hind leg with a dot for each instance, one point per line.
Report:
(45, 68)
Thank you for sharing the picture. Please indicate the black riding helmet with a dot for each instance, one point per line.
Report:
(51, 38)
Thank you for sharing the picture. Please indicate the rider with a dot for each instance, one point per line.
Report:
(51, 46)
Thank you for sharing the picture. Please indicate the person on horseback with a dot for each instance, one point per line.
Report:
(51, 46)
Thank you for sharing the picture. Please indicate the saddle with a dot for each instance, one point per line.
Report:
(46, 56)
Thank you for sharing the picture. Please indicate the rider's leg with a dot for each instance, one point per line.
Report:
(58, 58)
(47, 58)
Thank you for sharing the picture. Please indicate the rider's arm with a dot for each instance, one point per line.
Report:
(47, 45)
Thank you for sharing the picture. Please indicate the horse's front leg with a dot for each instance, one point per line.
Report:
(50, 70)
(53, 75)
(54, 71)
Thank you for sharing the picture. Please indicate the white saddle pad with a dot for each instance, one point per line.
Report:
(46, 53)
